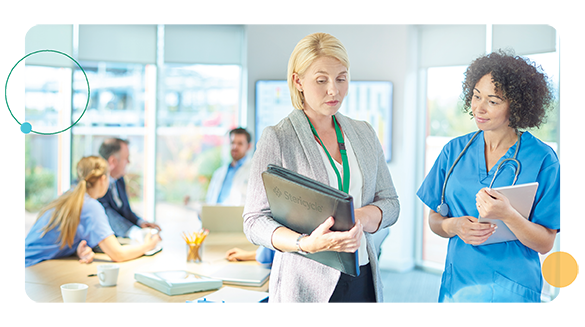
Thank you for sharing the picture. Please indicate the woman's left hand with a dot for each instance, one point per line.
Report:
(84, 252)
(492, 204)
(324, 239)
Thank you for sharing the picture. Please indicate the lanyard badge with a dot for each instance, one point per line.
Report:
(345, 185)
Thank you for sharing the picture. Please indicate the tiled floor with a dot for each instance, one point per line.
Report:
(412, 287)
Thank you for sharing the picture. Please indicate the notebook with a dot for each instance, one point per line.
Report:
(302, 204)
(521, 198)
(136, 235)
(242, 274)
(222, 219)
(154, 251)
(176, 282)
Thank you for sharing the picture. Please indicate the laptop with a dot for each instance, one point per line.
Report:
(242, 274)
(222, 219)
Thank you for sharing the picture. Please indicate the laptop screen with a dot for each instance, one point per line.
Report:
(222, 219)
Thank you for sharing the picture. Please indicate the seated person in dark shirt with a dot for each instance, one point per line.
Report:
(121, 217)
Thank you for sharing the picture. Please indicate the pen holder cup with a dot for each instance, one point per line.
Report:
(194, 252)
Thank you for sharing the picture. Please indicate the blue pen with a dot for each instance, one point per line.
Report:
(204, 301)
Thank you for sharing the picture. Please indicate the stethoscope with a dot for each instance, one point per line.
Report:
(443, 208)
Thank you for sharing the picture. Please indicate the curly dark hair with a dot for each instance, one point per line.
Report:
(520, 80)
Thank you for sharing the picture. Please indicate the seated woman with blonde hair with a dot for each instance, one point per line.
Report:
(76, 222)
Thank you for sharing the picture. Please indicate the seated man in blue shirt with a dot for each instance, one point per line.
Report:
(229, 183)
(115, 202)
(228, 187)
(262, 255)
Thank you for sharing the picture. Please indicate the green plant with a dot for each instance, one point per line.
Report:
(38, 188)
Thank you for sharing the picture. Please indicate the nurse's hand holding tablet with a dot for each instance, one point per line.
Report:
(492, 204)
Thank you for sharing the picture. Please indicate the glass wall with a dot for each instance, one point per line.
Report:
(201, 104)
(116, 109)
(47, 100)
(446, 120)
(191, 108)
(33, 161)
(549, 131)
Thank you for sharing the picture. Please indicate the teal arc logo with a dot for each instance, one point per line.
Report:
(14, 125)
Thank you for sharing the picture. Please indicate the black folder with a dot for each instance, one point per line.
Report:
(302, 204)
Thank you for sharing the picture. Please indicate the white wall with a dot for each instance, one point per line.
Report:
(376, 52)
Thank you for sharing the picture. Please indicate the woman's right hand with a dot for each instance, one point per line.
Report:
(151, 240)
(324, 239)
(471, 231)
(84, 252)
(237, 254)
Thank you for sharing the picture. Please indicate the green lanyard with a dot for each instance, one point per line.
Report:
(345, 186)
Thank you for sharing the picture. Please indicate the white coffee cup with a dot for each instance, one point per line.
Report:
(108, 274)
(73, 292)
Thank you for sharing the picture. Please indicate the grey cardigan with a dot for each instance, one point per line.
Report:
(290, 144)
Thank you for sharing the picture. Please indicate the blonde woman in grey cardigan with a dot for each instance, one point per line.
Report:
(306, 142)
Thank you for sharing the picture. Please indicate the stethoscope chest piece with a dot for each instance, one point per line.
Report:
(443, 209)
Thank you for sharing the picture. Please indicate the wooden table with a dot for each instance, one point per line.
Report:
(43, 280)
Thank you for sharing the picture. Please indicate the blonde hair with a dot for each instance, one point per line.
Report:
(68, 206)
(309, 49)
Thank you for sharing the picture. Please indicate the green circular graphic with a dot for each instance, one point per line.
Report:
(6, 92)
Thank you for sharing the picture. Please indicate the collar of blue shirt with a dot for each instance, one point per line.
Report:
(239, 163)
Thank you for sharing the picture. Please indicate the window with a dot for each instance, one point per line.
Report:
(33, 165)
(200, 105)
(117, 108)
(446, 120)
(549, 131)
(47, 100)
(176, 123)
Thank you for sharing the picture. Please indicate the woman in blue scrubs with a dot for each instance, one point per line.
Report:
(76, 222)
(504, 94)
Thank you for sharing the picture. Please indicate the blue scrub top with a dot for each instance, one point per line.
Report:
(499, 272)
(93, 228)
